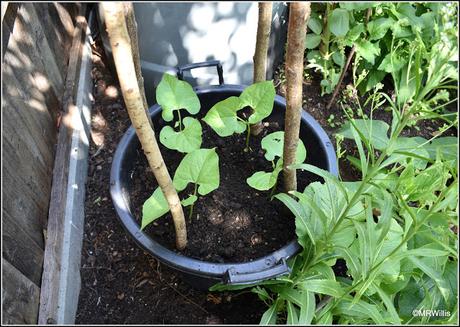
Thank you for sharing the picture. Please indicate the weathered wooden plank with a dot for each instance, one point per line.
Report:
(8, 16)
(35, 33)
(20, 297)
(19, 202)
(55, 32)
(51, 296)
(23, 141)
(45, 47)
(28, 65)
(66, 13)
(21, 250)
(29, 116)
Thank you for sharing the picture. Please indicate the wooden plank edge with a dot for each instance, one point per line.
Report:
(69, 286)
(54, 243)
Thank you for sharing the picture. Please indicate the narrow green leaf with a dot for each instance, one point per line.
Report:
(326, 319)
(313, 205)
(302, 226)
(307, 309)
(435, 275)
(324, 270)
(375, 131)
(270, 316)
(360, 310)
(324, 174)
(292, 314)
(292, 295)
(323, 286)
(261, 293)
(351, 260)
(384, 223)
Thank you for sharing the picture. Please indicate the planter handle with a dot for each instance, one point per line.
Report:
(240, 278)
(181, 69)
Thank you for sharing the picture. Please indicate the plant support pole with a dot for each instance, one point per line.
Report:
(260, 53)
(123, 58)
(299, 13)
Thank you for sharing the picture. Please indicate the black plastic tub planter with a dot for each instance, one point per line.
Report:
(202, 274)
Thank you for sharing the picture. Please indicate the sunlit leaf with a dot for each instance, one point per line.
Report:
(260, 97)
(173, 94)
(187, 140)
(200, 167)
(223, 119)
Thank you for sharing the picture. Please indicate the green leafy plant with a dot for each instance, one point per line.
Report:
(200, 167)
(223, 116)
(273, 146)
(394, 230)
(331, 31)
(393, 38)
(176, 95)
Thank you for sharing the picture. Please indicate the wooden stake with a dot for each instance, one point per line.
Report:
(132, 32)
(260, 53)
(123, 58)
(299, 12)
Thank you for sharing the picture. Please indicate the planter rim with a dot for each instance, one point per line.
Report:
(190, 265)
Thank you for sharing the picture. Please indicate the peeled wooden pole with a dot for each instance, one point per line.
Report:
(123, 58)
(260, 53)
(299, 12)
(131, 26)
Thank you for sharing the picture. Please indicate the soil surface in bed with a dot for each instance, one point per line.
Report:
(122, 284)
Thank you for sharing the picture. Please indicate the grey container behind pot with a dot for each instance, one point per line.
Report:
(174, 34)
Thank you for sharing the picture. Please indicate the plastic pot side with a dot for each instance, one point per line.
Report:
(202, 274)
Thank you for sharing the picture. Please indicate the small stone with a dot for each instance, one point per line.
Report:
(99, 167)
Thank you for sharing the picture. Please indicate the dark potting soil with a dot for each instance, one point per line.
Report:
(234, 223)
